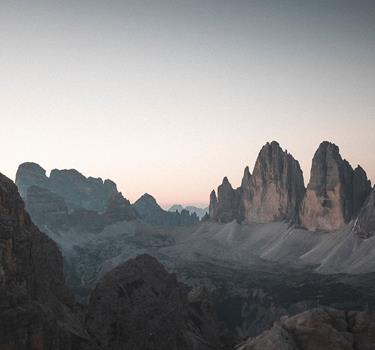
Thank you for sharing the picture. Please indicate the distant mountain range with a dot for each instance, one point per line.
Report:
(201, 212)
(272, 254)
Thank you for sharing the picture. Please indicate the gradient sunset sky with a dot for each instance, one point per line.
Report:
(167, 97)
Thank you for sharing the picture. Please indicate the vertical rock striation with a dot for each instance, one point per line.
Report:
(276, 187)
(335, 192)
(273, 192)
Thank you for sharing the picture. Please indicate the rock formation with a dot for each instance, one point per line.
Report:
(138, 305)
(272, 193)
(226, 208)
(364, 226)
(81, 192)
(149, 211)
(36, 311)
(276, 187)
(335, 192)
(320, 328)
(78, 191)
(30, 174)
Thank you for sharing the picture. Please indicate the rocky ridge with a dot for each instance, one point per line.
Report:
(275, 191)
(150, 212)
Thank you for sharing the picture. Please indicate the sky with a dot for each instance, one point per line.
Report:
(168, 97)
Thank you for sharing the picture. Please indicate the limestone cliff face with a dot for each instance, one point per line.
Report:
(364, 226)
(335, 192)
(276, 188)
(272, 193)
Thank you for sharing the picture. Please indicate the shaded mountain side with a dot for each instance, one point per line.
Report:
(77, 190)
(150, 212)
(135, 303)
(50, 212)
(335, 192)
(36, 310)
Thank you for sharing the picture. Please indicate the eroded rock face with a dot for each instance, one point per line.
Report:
(138, 305)
(320, 328)
(272, 193)
(276, 188)
(35, 308)
(364, 226)
(335, 192)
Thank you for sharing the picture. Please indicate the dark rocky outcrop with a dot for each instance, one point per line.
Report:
(320, 328)
(364, 226)
(139, 305)
(150, 212)
(36, 311)
(272, 193)
(335, 191)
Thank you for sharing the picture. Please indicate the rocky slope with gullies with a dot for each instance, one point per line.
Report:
(36, 310)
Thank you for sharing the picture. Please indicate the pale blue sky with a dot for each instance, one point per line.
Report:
(167, 97)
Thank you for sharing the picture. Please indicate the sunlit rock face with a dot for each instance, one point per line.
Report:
(272, 193)
(335, 192)
(365, 224)
(276, 187)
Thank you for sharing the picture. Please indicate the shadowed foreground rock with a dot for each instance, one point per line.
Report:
(36, 311)
(318, 329)
(139, 305)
